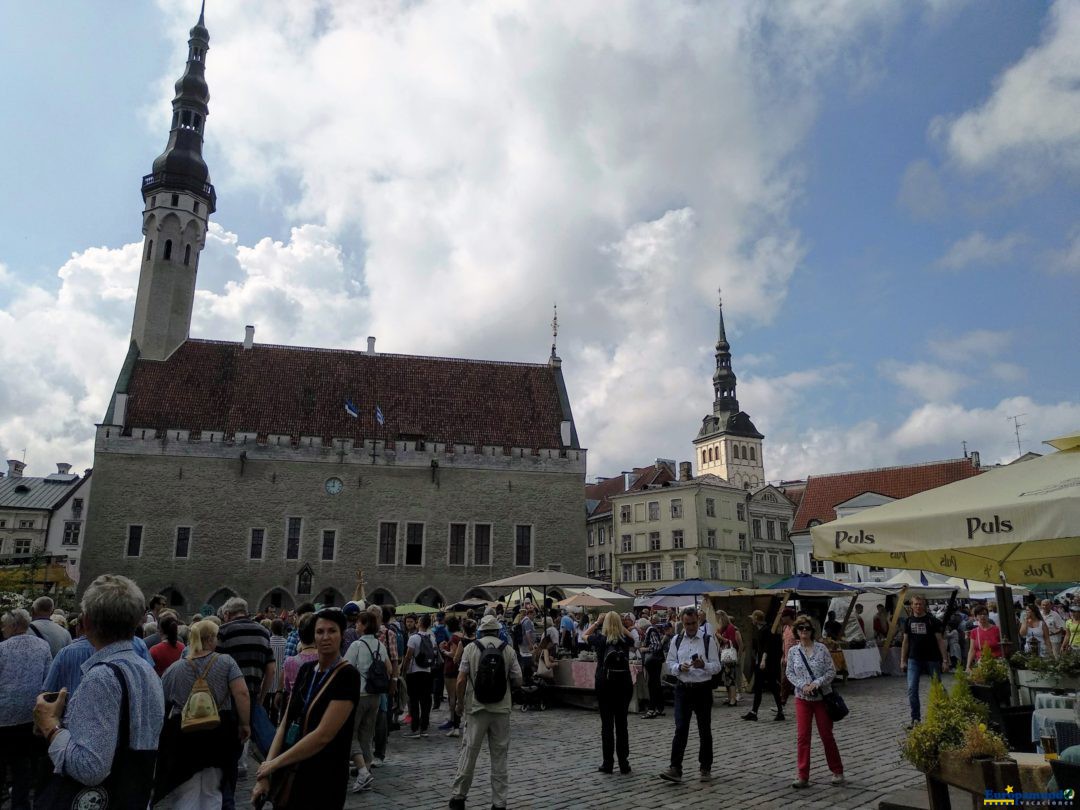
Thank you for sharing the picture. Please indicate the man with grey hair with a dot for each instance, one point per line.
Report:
(24, 661)
(119, 700)
(45, 628)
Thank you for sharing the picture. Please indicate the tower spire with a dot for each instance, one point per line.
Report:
(724, 400)
(722, 339)
(555, 330)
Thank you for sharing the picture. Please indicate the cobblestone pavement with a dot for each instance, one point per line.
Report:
(554, 756)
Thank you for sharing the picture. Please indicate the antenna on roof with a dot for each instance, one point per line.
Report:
(1017, 424)
(555, 330)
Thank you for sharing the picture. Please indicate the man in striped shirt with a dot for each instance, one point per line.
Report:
(248, 642)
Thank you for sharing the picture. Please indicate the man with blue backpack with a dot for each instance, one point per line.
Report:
(487, 671)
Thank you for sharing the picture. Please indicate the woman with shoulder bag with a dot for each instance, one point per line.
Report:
(614, 688)
(653, 662)
(810, 670)
(730, 641)
(308, 762)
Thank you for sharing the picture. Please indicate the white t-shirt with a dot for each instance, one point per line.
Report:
(1055, 625)
(414, 645)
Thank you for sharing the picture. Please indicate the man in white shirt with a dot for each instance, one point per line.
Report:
(1055, 625)
(693, 659)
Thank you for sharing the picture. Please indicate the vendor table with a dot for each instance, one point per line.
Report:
(577, 681)
(864, 663)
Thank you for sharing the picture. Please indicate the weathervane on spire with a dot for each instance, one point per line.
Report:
(555, 329)
(720, 297)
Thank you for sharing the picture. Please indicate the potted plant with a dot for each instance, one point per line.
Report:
(1036, 672)
(939, 746)
(990, 681)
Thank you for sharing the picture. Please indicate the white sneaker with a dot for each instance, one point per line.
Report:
(454, 732)
(378, 762)
(364, 781)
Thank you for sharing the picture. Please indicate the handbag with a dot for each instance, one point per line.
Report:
(835, 706)
(282, 781)
(729, 656)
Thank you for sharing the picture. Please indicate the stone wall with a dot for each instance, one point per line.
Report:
(222, 497)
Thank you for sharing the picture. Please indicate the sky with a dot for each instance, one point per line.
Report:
(885, 193)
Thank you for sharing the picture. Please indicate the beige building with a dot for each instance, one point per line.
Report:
(770, 517)
(275, 472)
(681, 530)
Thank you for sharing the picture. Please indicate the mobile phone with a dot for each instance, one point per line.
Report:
(50, 697)
(694, 657)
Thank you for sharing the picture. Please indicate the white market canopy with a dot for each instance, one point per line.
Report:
(1021, 520)
(544, 579)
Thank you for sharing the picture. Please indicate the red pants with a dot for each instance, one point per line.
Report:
(807, 711)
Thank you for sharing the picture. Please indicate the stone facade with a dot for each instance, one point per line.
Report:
(220, 491)
(770, 516)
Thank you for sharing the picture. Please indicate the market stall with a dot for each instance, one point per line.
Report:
(575, 683)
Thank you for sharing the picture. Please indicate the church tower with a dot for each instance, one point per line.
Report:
(728, 444)
(178, 200)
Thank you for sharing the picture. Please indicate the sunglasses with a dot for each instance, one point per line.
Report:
(803, 627)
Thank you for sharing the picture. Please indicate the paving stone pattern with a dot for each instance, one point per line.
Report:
(554, 756)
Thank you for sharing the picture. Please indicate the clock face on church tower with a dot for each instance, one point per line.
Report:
(334, 486)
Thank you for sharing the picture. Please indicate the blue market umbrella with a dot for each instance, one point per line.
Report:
(691, 587)
(805, 582)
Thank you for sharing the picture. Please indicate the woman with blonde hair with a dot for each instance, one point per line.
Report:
(192, 764)
(614, 688)
(729, 641)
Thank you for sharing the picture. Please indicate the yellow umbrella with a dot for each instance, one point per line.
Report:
(1021, 521)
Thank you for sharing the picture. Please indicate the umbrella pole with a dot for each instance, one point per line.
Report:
(850, 609)
(892, 622)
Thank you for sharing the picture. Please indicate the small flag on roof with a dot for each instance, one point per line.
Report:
(351, 409)
(379, 415)
(922, 579)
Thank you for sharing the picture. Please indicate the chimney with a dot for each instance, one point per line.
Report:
(249, 336)
(62, 469)
(686, 471)
(370, 345)
(15, 468)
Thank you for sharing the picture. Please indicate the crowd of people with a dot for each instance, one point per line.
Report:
(131, 702)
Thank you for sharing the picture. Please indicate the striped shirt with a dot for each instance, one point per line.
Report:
(248, 642)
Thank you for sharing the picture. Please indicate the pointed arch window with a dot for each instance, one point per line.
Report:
(187, 255)
(168, 250)
(303, 581)
(149, 250)
(753, 454)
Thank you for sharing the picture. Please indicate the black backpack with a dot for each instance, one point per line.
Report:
(518, 634)
(376, 679)
(489, 683)
(425, 656)
(616, 663)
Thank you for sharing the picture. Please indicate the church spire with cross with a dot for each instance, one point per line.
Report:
(178, 200)
(728, 444)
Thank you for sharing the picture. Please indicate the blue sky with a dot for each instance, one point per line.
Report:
(885, 192)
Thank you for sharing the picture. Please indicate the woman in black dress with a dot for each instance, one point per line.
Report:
(309, 758)
(614, 688)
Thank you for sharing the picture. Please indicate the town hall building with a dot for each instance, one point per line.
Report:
(276, 472)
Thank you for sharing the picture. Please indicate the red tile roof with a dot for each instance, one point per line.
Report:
(643, 477)
(824, 492)
(216, 385)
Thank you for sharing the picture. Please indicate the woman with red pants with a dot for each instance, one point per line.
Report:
(810, 670)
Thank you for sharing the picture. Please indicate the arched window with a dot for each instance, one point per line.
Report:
(752, 451)
(149, 250)
(704, 456)
(744, 452)
(168, 249)
(187, 254)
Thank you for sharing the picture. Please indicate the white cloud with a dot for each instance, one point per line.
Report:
(979, 249)
(927, 381)
(976, 344)
(1031, 121)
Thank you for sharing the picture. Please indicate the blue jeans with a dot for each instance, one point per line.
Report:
(915, 670)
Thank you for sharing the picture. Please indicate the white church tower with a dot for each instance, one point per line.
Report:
(179, 199)
(728, 444)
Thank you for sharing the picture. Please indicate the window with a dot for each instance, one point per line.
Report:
(150, 250)
(387, 543)
(76, 505)
(168, 250)
(654, 541)
(627, 572)
(774, 564)
(72, 530)
(744, 571)
(602, 559)
(770, 529)
(816, 566)
(175, 201)
(740, 512)
(187, 254)
(601, 535)
(641, 571)
(654, 510)
(183, 542)
(639, 512)
(457, 544)
(523, 546)
(677, 538)
(759, 563)
(756, 523)
(591, 565)
(654, 570)
(26, 524)
(627, 543)
(414, 544)
(22, 548)
(482, 544)
(710, 507)
(590, 534)
(329, 544)
(714, 569)
(303, 581)
(676, 508)
(840, 568)
(134, 541)
(625, 514)
(710, 538)
(783, 530)
(753, 456)
(255, 550)
(743, 545)
(678, 570)
(292, 535)
(3, 524)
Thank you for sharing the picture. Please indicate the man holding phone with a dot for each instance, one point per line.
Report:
(693, 658)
